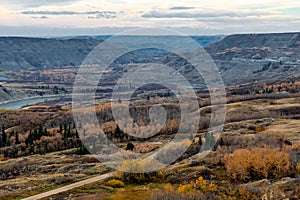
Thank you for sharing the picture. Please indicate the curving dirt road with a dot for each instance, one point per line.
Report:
(70, 187)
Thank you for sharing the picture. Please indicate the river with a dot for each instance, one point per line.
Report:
(25, 102)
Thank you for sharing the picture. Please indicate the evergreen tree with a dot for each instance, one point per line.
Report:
(17, 138)
(3, 137)
(76, 134)
(8, 143)
(35, 135)
(200, 141)
(129, 146)
(65, 128)
(45, 132)
(119, 101)
(60, 129)
(222, 143)
(82, 150)
(40, 132)
(118, 132)
(69, 133)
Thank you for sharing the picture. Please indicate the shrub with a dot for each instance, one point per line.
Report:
(145, 148)
(175, 196)
(115, 183)
(196, 189)
(238, 194)
(256, 164)
(130, 146)
(133, 171)
(259, 129)
(58, 180)
(197, 185)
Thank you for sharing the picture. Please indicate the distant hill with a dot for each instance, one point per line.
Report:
(202, 40)
(272, 40)
(30, 53)
(255, 57)
(241, 58)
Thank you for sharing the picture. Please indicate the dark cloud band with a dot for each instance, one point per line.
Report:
(93, 14)
(36, 3)
(181, 8)
(203, 14)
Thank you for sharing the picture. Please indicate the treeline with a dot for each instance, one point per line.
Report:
(40, 141)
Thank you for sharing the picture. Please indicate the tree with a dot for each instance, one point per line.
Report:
(60, 129)
(76, 134)
(55, 90)
(258, 163)
(45, 132)
(40, 132)
(69, 133)
(200, 141)
(34, 135)
(222, 143)
(31, 137)
(82, 150)
(17, 138)
(129, 146)
(118, 132)
(3, 137)
(119, 101)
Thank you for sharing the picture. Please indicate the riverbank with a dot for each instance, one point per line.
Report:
(19, 103)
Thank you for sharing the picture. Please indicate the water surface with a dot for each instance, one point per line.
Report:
(26, 102)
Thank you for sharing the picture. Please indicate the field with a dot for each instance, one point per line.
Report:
(261, 133)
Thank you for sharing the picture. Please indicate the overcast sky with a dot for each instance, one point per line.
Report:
(192, 17)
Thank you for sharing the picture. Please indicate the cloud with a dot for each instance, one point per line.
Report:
(93, 14)
(181, 8)
(253, 21)
(65, 12)
(42, 17)
(206, 14)
(102, 15)
(36, 3)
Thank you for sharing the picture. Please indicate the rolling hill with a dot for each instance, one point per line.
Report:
(241, 58)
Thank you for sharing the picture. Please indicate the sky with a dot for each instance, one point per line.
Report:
(105, 17)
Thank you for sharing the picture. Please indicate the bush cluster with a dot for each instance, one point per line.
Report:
(256, 164)
(115, 183)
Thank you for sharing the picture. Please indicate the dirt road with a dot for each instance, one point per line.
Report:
(69, 187)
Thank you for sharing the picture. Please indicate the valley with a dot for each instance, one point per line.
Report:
(255, 154)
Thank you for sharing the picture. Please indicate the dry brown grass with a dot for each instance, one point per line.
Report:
(145, 147)
(45, 172)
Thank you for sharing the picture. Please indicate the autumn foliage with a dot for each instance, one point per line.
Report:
(197, 185)
(257, 163)
(115, 183)
(195, 189)
(136, 171)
